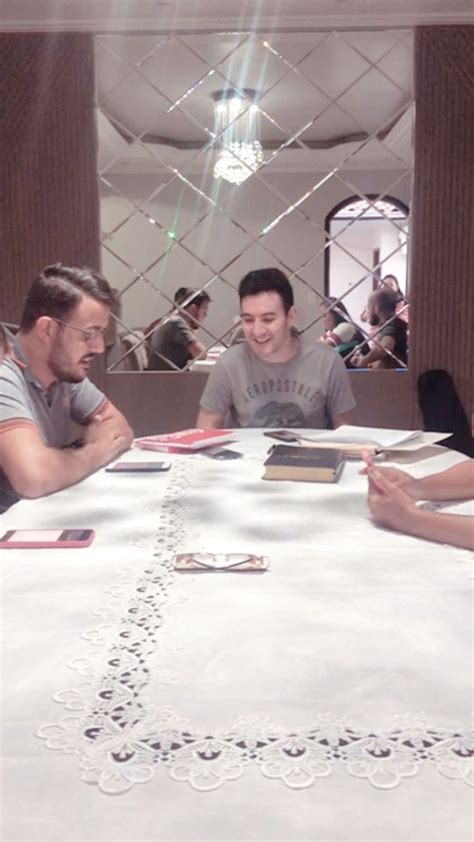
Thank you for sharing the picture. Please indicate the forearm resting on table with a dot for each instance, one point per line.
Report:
(52, 469)
(457, 530)
(35, 469)
(456, 483)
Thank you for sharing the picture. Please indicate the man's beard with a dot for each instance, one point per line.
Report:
(59, 366)
(374, 320)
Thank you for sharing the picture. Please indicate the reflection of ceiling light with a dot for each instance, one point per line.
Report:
(370, 210)
(237, 125)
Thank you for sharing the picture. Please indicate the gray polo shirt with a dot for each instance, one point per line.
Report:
(24, 401)
(306, 391)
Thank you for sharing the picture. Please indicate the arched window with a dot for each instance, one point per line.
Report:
(368, 240)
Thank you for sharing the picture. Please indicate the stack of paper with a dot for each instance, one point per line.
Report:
(375, 438)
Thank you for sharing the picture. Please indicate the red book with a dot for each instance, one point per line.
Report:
(185, 440)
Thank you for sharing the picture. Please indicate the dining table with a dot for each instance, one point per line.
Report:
(234, 658)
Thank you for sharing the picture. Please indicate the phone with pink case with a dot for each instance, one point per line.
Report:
(24, 539)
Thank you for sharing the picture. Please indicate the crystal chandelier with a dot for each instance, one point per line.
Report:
(237, 124)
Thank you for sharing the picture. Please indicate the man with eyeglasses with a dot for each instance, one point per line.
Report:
(44, 388)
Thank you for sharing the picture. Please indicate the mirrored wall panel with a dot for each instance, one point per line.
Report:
(221, 153)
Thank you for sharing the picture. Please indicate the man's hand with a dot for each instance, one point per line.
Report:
(107, 436)
(357, 360)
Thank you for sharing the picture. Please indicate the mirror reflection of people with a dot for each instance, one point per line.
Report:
(44, 387)
(340, 331)
(391, 333)
(393, 493)
(174, 344)
(274, 378)
(402, 308)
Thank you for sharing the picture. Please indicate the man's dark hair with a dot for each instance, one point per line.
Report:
(267, 280)
(185, 293)
(387, 300)
(58, 289)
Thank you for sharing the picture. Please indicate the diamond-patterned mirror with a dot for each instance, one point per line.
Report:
(335, 122)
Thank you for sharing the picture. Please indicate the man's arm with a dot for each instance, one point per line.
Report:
(196, 349)
(34, 469)
(342, 418)
(209, 420)
(108, 412)
(216, 399)
(376, 353)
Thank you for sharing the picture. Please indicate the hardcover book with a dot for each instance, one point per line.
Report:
(303, 464)
(185, 440)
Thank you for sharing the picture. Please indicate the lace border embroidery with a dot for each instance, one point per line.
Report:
(121, 743)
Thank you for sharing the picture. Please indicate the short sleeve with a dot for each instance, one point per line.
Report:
(217, 394)
(86, 399)
(182, 334)
(340, 397)
(14, 403)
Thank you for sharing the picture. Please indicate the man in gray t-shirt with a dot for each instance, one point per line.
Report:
(274, 378)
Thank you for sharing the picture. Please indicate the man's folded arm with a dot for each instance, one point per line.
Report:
(34, 469)
(108, 412)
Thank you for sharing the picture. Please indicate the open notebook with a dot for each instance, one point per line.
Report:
(375, 436)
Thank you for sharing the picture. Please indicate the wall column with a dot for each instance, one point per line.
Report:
(441, 294)
(48, 182)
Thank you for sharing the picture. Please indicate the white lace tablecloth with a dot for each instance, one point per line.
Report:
(327, 698)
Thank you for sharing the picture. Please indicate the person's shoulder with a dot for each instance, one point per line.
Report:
(11, 373)
(235, 355)
(83, 387)
(317, 351)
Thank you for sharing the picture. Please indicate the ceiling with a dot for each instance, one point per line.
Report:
(142, 15)
(344, 88)
(323, 96)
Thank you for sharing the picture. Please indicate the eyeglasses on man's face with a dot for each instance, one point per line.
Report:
(90, 335)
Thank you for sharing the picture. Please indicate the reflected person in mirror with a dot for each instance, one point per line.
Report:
(44, 387)
(340, 331)
(391, 334)
(275, 378)
(173, 343)
(402, 308)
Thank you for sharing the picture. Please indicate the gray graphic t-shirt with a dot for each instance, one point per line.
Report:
(306, 391)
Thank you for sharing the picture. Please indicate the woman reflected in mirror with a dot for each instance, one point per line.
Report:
(340, 332)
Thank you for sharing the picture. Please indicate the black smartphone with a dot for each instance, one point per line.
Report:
(282, 435)
(138, 467)
(217, 452)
